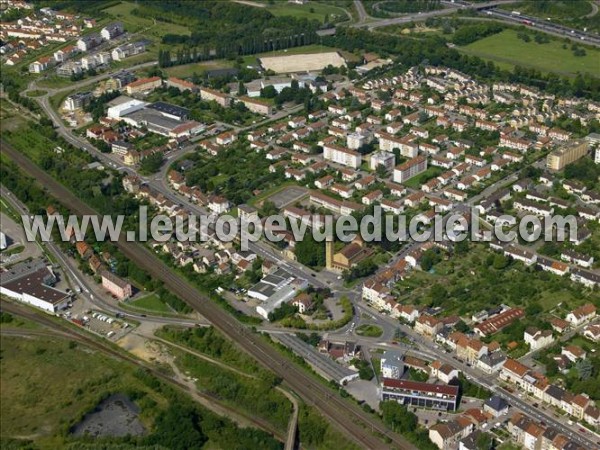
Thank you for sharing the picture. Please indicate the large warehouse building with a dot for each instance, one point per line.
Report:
(32, 283)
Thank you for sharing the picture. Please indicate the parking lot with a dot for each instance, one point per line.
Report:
(103, 324)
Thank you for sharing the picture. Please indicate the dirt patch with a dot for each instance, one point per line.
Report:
(302, 63)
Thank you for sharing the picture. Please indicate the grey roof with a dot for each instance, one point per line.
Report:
(34, 278)
(555, 392)
(496, 402)
(21, 270)
(167, 108)
(470, 442)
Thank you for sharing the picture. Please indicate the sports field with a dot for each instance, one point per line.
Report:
(508, 50)
(302, 62)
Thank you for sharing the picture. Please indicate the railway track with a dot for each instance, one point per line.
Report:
(56, 329)
(349, 418)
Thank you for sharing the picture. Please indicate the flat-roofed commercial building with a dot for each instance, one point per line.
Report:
(416, 393)
(32, 283)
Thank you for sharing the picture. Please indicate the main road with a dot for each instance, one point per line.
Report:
(358, 425)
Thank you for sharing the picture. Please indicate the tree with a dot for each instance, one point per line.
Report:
(242, 89)
(398, 417)
(151, 163)
(268, 92)
(551, 368)
(178, 427)
(484, 441)
(462, 327)
(310, 252)
(430, 258)
(438, 293)
(584, 369)
(500, 262)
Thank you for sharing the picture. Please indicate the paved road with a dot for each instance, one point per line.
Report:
(348, 417)
(86, 81)
(594, 9)
(360, 9)
(541, 24)
(452, 7)
(491, 383)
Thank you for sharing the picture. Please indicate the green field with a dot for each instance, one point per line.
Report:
(416, 181)
(134, 24)
(369, 330)
(507, 50)
(36, 93)
(556, 9)
(152, 303)
(187, 70)
(312, 10)
(153, 30)
(49, 383)
(34, 371)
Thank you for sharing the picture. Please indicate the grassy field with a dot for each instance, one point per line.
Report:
(134, 24)
(151, 303)
(559, 9)
(36, 93)
(153, 30)
(369, 330)
(314, 10)
(34, 385)
(187, 70)
(10, 118)
(508, 50)
(416, 181)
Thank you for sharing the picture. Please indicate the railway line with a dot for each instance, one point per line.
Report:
(349, 418)
(55, 328)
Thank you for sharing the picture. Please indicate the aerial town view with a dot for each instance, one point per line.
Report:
(300, 224)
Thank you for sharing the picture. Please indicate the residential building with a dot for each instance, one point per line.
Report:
(558, 159)
(342, 155)
(537, 338)
(77, 101)
(125, 51)
(118, 287)
(112, 30)
(427, 325)
(212, 95)
(385, 159)
(496, 406)
(410, 169)
(581, 315)
(143, 85)
(303, 302)
(446, 435)
(443, 371)
(392, 365)
(257, 106)
(415, 393)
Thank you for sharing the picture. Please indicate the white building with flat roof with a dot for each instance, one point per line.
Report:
(122, 109)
